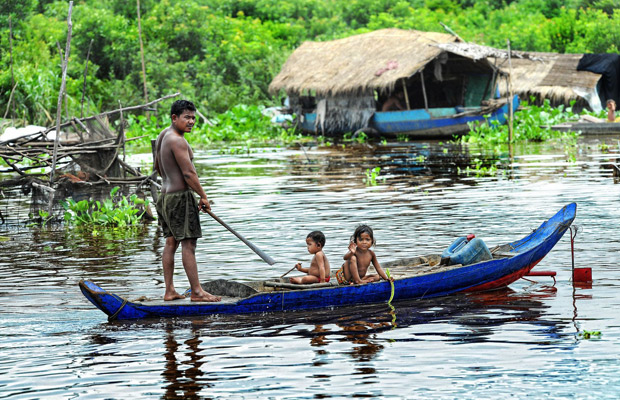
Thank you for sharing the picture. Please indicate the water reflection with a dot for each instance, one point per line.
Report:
(508, 307)
(476, 318)
(183, 377)
(579, 295)
(363, 336)
(525, 335)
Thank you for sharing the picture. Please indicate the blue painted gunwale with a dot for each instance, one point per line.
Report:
(412, 121)
(499, 272)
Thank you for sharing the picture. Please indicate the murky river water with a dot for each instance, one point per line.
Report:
(520, 342)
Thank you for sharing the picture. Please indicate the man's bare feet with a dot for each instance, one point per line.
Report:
(173, 296)
(204, 296)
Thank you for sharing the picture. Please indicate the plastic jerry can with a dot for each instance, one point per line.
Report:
(466, 250)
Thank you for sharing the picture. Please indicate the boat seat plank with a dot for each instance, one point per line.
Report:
(185, 301)
(294, 286)
(503, 254)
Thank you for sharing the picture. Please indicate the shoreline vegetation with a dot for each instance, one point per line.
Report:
(223, 54)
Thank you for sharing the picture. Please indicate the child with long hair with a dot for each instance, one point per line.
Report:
(358, 259)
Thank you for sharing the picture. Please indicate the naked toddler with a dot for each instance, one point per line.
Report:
(319, 266)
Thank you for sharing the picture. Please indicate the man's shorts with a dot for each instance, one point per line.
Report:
(178, 215)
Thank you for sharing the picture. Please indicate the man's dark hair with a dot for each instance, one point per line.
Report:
(317, 237)
(181, 105)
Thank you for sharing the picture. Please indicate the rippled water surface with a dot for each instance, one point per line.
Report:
(523, 341)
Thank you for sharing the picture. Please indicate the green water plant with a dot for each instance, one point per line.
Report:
(242, 124)
(372, 175)
(114, 212)
(590, 334)
(45, 217)
(478, 168)
(531, 123)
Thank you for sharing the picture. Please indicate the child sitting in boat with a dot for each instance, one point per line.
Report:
(319, 266)
(358, 259)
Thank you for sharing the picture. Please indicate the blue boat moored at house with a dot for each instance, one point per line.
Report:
(392, 82)
(434, 123)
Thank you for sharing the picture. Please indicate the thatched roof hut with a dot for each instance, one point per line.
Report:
(542, 76)
(358, 64)
(554, 77)
(345, 81)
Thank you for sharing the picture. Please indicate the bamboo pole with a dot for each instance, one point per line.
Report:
(146, 94)
(121, 133)
(62, 89)
(13, 85)
(203, 117)
(85, 73)
(108, 113)
(424, 91)
(14, 167)
(450, 31)
(104, 114)
(142, 106)
(509, 103)
(9, 104)
(64, 94)
(406, 94)
(154, 174)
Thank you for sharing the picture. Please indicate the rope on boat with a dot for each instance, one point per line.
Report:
(113, 316)
(387, 272)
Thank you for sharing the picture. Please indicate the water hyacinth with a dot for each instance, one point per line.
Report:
(120, 213)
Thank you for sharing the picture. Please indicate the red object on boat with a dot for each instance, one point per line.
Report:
(541, 273)
(470, 237)
(582, 275)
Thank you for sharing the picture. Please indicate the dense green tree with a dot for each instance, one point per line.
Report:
(17, 9)
(222, 53)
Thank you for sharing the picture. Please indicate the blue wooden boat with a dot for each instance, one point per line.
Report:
(415, 278)
(431, 123)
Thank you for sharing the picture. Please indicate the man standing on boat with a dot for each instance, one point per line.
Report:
(177, 209)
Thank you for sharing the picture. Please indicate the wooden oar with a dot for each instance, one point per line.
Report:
(255, 249)
(287, 272)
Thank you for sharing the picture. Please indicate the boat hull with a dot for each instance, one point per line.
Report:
(516, 260)
(438, 123)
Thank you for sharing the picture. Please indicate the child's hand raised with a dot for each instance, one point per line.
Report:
(352, 247)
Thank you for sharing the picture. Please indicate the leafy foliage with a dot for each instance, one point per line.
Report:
(531, 123)
(241, 124)
(119, 213)
(222, 54)
(372, 176)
